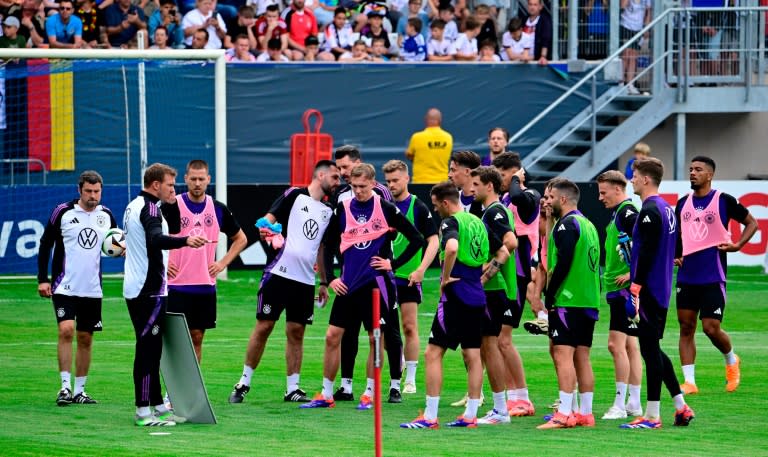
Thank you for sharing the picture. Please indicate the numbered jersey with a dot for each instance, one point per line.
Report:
(306, 220)
(76, 236)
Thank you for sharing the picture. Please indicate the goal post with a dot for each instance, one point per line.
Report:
(84, 72)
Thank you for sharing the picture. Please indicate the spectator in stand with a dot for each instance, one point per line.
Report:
(65, 30)
(11, 37)
(488, 52)
(338, 36)
(413, 48)
(123, 21)
(375, 29)
(395, 11)
(200, 39)
(32, 23)
(414, 11)
(487, 26)
(324, 11)
(274, 52)
(260, 6)
(364, 9)
(640, 152)
(379, 50)
(301, 23)
(538, 28)
(243, 24)
(635, 14)
(430, 150)
(439, 49)
(466, 44)
(514, 43)
(446, 14)
(359, 53)
(168, 17)
(271, 26)
(312, 48)
(593, 26)
(204, 16)
(241, 52)
(160, 38)
(458, 7)
(93, 23)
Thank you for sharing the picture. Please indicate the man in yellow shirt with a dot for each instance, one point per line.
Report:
(430, 150)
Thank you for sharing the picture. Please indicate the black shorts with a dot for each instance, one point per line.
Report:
(572, 326)
(348, 311)
(409, 294)
(653, 317)
(617, 301)
(198, 309)
(625, 35)
(277, 293)
(84, 310)
(706, 299)
(496, 307)
(457, 323)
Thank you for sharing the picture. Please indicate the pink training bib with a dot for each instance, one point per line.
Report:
(530, 230)
(702, 229)
(193, 262)
(355, 232)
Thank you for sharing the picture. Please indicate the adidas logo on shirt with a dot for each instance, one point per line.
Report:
(431, 335)
(554, 334)
(305, 209)
(562, 227)
(629, 212)
(719, 311)
(75, 221)
(444, 226)
(498, 216)
(646, 219)
(508, 313)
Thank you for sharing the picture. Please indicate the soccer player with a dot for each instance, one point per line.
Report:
(573, 298)
(459, 168)
(144, 286)
(192, 272)
(524, 204)
(703, 243)
(464, 249)
(363, 229)
(289, 280)
(75, 232)
(622, 333)
(409, 277)
(500, 286)
(347, 158)
(652, 259)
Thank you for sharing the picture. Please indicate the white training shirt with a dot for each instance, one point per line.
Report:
(507, 42)
(464, 45)
(440, 48)
(633, 16)
(196, 18)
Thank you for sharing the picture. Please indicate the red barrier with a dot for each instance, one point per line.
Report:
(308, 148)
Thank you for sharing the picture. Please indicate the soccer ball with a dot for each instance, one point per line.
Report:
(114, 242)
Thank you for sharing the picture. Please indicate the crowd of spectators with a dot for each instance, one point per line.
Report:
(304, 30)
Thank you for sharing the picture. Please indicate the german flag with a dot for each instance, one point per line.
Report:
(50, 114)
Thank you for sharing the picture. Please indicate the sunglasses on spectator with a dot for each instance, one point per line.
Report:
(66, 8)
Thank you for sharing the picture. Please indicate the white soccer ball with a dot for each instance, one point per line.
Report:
(114, 242)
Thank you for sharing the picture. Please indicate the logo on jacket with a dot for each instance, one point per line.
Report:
(87, 238)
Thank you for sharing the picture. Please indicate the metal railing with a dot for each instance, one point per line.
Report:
(658, 66)
(28, 162)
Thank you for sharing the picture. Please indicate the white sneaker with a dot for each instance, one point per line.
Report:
(632, 90)
(493, 417)
(409, 388)
(615, 412)
(635, 412)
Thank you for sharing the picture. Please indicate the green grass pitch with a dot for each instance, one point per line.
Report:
(726, 424)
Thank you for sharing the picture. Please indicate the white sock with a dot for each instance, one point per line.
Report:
(679, 401)
(369, 387)
(621, 392)
(430, 412)
(522, 394)
(512, 394)
(586, 402)
(292, 383)
(410, 371)
(471, 410)
(327, 388)
(66, 382)
(143, 411)
(689, 373)
(346, 384)
(634, 397)
(80, 384)
(161, 408)
(566, 402)
(730, 358)
(652, 410)
(575, 400)
(543, 315)
(394, 384)
(245, 379)
(499, 403)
